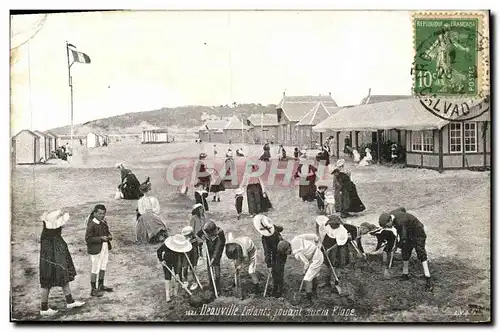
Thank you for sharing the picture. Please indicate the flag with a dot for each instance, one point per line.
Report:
(79, 56)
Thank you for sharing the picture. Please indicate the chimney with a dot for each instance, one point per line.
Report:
(369, 95)
(284, 93)
(330, 94)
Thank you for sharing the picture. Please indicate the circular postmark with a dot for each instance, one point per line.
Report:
(445, 68)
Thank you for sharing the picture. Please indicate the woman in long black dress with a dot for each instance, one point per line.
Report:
(129, 185)
(267, 154)
(307, 175)
(348, 195)
(56, 265)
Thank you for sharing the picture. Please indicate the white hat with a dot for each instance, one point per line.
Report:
(187, 230)
(197, 205)
(263, 225)
(178, 243)
(340, 162)
(239, 191)
(321, 220)
(54, 219)
(119, 164)
(368, 150)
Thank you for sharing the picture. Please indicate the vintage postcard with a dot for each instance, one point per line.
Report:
(251, 166)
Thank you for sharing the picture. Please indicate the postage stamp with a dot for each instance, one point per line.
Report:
(451, 54)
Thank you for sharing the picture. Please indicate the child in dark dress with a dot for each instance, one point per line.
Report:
(56, 265)
(320, 198)
(239, 202)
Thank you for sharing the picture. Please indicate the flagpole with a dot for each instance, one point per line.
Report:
(262, 125)
(71, 94)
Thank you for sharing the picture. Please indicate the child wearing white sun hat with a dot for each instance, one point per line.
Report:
(56, 267)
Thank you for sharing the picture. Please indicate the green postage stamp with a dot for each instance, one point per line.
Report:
(451, 54)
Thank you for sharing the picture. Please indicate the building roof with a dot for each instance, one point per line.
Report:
(317, 114)
(265, 120)
(221, 124)
(51, 134)
(28, 131)
(159, 130)
(295, 107)
(407, 114)
(40, 134)
(69, 136)
(372, 99)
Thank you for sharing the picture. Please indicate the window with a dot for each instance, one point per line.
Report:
(455, 137)
(422, 141)
(470, 137)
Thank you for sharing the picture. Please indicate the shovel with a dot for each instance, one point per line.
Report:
(239, 291)
(355, 246)
(267, 283)
(177, 279)
(337, 287)
(300, 288)
(210, 269)
(194, 273)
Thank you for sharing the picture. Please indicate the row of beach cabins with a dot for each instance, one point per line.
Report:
(307, 121)
(34, 147)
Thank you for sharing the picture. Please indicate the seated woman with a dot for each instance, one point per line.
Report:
(239, 153)
(129, 185)
(367, 159)
(150, 228)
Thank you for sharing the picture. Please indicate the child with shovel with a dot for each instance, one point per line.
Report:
(271, 236)
(305, 249)
(243, 252)
(213, 240)
(171, 255)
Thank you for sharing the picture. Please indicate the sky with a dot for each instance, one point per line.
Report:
(146, 60)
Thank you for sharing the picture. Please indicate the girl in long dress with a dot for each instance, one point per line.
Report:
(149, 228)
(255, 190)
(56, 267)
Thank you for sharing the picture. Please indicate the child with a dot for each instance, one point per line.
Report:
(320, 198)
(198, 218)
(215, 241)
(239, 201)
(242, 251)
(305, 249)
(296, 153)
(193, 256)
(56, 265)
(329, 203)
(270, 238)
(98, 239)
(394, 152)
(215, 151)
(171, 254)
(284, 249)
(200, 195)
(334, 244)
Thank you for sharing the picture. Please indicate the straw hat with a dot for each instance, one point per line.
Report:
(186, 231)
(196, 206)
(239, 191)
(321, 220)
(119, 164)
(203, 155)
(340, 162)
(178, 243)
(263, 225)
(54, 219)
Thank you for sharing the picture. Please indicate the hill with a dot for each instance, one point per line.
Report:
(178, 117)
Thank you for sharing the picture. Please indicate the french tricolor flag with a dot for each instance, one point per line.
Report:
(78, 56)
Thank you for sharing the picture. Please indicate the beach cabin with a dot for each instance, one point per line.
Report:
(26, 147)
(92, 140)
(44, 144)
(155, 136)
(52, 141)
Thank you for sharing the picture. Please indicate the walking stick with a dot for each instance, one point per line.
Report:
(194, 273)
(267, 283)
(211, 273)
(392, 256)
(337, 287)
(177, 279)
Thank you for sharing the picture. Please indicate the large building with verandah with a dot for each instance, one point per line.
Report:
(430, 141)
